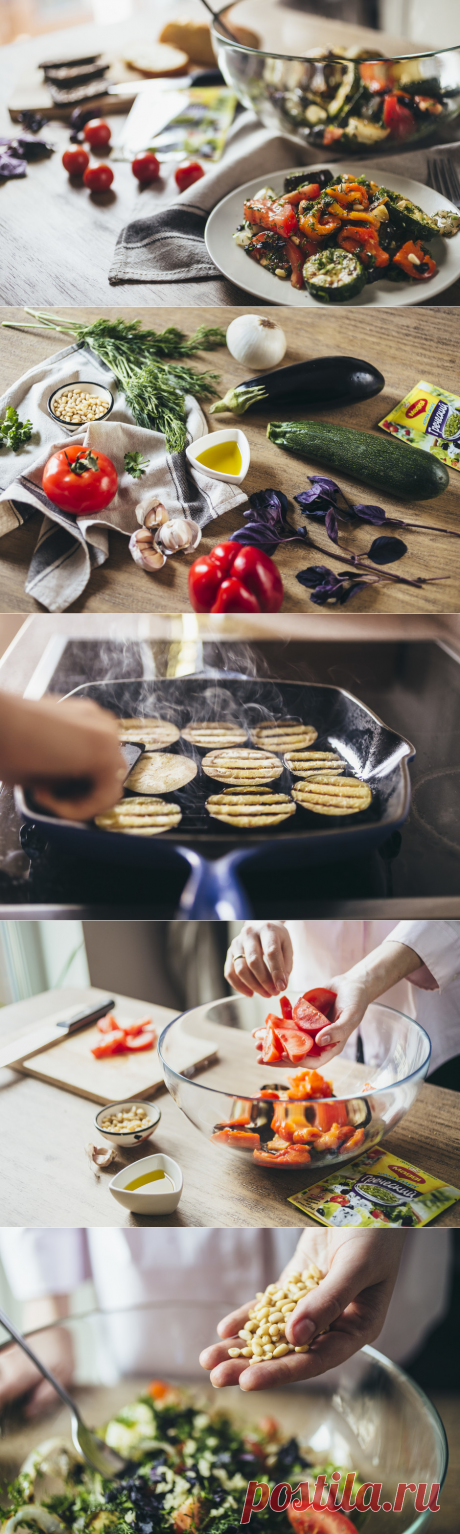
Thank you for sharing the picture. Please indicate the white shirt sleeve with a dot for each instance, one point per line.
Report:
(437, 943)
(43, 1261)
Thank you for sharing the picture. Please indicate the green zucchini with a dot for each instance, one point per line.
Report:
(393, 467)
(334, 276)
(413, 222)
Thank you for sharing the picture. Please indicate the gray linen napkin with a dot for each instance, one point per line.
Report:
(68, 548)
(170, 246)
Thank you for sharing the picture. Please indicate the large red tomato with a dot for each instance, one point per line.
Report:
(80, 480)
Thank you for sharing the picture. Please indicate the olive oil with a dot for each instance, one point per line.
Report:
(139, 1182)
(224, 457)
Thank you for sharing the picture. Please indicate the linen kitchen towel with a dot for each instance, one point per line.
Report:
(69, 548)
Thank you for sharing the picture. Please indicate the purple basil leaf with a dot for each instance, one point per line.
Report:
(307, 497)
(272, 504)
(331, 526)
(11, 165)
(316, 576)
(33, 121)
(349, 591)
(374, 514)
(385, 550)
(327, 485)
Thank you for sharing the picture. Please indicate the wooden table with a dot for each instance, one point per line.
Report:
(406, 344)
(58, 241)
(46, 1129)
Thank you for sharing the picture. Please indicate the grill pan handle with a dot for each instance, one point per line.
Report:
(213, 891)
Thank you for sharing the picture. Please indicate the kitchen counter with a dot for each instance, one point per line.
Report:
(46, 1128)
(405, 345)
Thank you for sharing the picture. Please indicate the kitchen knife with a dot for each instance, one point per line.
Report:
(57, 1026)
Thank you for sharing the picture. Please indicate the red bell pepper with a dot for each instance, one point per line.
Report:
(422, 267)
(235, 578)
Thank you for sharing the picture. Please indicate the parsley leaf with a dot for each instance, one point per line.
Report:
(14, 432)
(135, 465)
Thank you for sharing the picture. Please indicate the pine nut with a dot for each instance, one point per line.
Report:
(280, 1350)
(264, 1333)
(234, 1352)
(304, 1349)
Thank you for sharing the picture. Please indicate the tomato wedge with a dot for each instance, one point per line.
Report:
(140, 1041)
(318, 1520)
(137, 1026)
(286, 1006)
(111, 1044)
(107, 1024)
(295, 1044)
(321, 999)
(272, 1049)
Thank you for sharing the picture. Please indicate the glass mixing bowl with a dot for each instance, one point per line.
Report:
(336, 100)
(370, 1097)
(367, 1415)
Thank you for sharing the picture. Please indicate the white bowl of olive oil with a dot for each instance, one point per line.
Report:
(150, 1186)
(222, 455)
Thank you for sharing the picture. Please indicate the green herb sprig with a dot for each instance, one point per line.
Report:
(13, 432)
(135, 465)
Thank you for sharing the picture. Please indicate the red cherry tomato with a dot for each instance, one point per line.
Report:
(97, 133)
(185, 175)
(146, 168)
(98, 178)
(75, 161)
(79, 480)
(110, 1044)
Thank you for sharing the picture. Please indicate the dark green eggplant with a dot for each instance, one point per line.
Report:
(323, 380)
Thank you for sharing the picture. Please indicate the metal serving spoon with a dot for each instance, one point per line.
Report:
(94, 1450)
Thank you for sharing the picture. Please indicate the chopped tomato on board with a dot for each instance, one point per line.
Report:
(318, 1520)
(138, 1025)
(140, 1041)
(111, 1044)
(107, 1024)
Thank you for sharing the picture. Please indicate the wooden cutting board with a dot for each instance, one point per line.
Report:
(31, 93)
(71, 1065)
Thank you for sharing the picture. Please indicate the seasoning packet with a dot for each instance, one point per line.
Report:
(379, 1189)
(201, 126)
(428, 418)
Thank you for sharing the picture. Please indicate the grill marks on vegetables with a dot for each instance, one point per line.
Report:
(245, 802)
(332, 240)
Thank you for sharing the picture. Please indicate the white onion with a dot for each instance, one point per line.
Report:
(257, 340)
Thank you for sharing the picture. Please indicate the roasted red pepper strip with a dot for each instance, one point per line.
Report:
(296, 257)
(347, 195)
(241, 1139)
(307, 193)
(272, 215)
(365, 243)
(319, 224)
(422, 267)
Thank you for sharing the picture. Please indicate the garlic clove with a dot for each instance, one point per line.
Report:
(143, 551)
(178, 534)
(155, 514)
(100, 1156)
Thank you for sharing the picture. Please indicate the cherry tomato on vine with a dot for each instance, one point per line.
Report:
(79, 480)
(98, 178)
(75, 161)
(146, 167)
(97, 133)
(185, 175)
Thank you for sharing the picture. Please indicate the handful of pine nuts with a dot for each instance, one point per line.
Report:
(263, 1335)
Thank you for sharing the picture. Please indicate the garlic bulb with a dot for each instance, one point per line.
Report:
(255, 339)
(143, 550)
(178, 533)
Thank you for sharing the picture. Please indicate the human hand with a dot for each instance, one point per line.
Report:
(19, 1377)
(52, 748)
(351, 1003)
(260, 959)
(352, 1301)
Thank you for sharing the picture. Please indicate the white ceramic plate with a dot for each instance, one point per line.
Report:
(235, 264)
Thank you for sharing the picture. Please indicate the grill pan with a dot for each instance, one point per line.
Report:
(212, 851)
